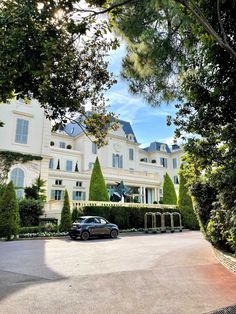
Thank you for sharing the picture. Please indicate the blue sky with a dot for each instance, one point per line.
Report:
(149, 124)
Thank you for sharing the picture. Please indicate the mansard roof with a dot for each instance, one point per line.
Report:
(73, 129)
(156, 146)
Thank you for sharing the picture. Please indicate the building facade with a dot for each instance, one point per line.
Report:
(68, 157)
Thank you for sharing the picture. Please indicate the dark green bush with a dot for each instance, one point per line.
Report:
(30, 210)
(185, 205)
(9, 213)
(124, 217)
(65, 214)
(204, 196)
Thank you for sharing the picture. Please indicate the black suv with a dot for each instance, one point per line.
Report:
(89, 226)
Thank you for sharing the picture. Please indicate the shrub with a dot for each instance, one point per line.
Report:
(204, 198)
(30, 210)
(124, 217)
(9, 213)
(185, 205)
(75, 214)
(68, 146)
(169, 194)
(65, 214)
(97, 188)
(52, 143)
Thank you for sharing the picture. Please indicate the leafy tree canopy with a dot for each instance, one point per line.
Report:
(55, 52)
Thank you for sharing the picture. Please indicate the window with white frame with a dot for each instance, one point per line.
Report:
(58, 182)
(51, 163)
(78, 196)
(94, 148)
(57, 195)
(78, 183)
(176, 180)
(163, 162)
(117, 161)
(22, 128)
(131, 154)
(17, 177)
(62, 145)
(69, 165)
(174, 163)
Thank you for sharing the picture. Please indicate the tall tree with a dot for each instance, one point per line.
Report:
(52, 51)
(65, 214)
(9, 213)
(185, 204)
(97, 188)
(169, 194)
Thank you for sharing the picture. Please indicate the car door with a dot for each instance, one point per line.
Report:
(90, 222)
(101, 226)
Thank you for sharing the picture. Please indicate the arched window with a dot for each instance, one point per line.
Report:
(18, 177)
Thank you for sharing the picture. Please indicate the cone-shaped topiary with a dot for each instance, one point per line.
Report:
(75, 214)
(9, 213)
(185, 205)
(65, 214)
(169, 194)
(97, 188)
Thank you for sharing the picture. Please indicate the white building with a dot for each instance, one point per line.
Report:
(68, 156)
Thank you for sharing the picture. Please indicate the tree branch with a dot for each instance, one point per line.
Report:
(203, 21)
(220, 22)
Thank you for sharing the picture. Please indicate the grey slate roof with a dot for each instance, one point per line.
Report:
(73, 129)
(156, 146)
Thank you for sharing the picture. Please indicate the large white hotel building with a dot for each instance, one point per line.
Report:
(68, 156)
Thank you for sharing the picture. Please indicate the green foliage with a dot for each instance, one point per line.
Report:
(37, 190)
(75, 214)
(65, 214)
(56, 52)
(124, 217)
(97, 187)
(169, 194)
(185, 204)
(9, 158)
(30, 210)
(37, 229)
(9, 213)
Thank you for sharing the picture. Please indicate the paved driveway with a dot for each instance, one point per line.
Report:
(168, 273)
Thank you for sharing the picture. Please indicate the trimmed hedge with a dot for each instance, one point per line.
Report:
(36, 229)
(124, 217)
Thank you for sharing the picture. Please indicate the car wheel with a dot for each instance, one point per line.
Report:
(85, 235)
(114, 233)
(73, 237)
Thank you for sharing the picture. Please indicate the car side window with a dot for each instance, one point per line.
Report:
(90, 220)
(102, 221)
(97, 220)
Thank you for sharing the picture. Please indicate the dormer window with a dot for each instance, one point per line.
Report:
(163, 147)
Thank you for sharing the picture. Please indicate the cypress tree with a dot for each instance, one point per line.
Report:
(169, 194)
(9, 213)
(185, 205)
(65, 214)
(97, 188)
(75, 214)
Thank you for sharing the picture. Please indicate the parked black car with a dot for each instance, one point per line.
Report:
(89, 226)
